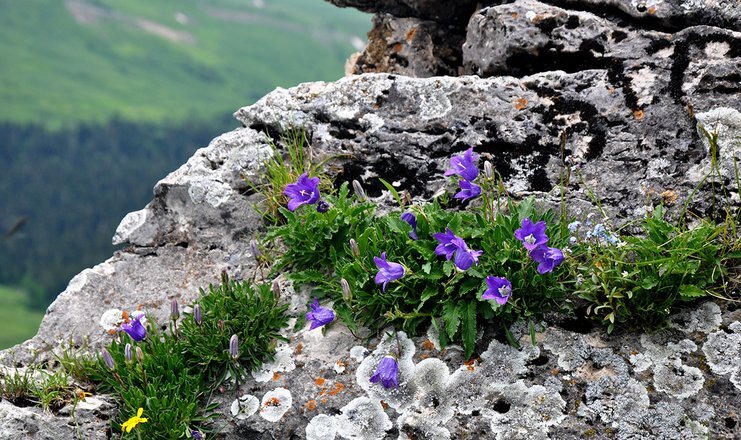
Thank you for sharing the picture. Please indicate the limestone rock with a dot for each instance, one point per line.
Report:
(443, 11)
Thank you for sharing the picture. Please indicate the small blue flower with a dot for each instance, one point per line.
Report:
(573, 226)
(387, 372)
(446, 247)
(548, 258)
(464, 166)
(319, 315)
(304, 191)
(135, 329)
(452, 246)
(387, 271)
(196, 435)
(531, 235)
(497, 288)
(322, 207)
(468, 191)
(412, 220)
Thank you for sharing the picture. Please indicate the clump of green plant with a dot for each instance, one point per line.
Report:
(162, 381)
(49, 389)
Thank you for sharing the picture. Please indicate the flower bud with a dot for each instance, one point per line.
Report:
(234, 346)
(139, 355)
(197, 314)
(276, 288)
(254, 248)
(220, 325)
(174, 310)
(359, 191)
(322, 207)
(127, 352)
(354, 248)
(108, 359)
(346, 292)
(488, 169)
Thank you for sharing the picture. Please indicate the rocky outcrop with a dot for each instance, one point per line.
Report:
(602, 96)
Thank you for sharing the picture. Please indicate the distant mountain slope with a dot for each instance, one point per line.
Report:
(66, 61)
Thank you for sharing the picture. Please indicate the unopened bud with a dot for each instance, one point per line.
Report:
(234, 346)
(174, 310)
(346, 292)
(127, 352)
(354, 248)
(139, 355)
(197, 314)
(488, 169)
(254, 248)
(276, 288)
(108, 359)
(220, 325)
(359, 191)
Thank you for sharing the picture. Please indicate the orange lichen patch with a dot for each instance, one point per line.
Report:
(125, 316)
(311, 405)
(319, 381)
(638, 114)
(272, 402)
(299, 348)
(515, 15)
(111, 332)
(428, 345)
(336, 389)
(521, 103)
(410, 34)
(424, 356)
(340, 363)
(555, 371)
(469, 364)
(276, 376)
(652, 10)
(324, 401)
(384, 405)
(397, 48)
(669, 197)
(323, 391)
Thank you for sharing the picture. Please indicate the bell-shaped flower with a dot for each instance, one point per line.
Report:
(468, 191)
(446, 246)
(304, 191)
(387, 372)
(531, 235)
(319, 315)
(497, 288)
(464, 257)
(464, 166)
(548, 258)
(412, 220)
(387, 271)
(135, 328)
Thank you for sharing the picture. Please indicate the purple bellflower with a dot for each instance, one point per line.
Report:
(412, 220)
(452, 245)
(319, 315)
(531, 235)
(387, 271)
(135, 329)
(547, 257)
(497, 288)
(304, 191)
(468, 191)
(322, 207)
(464, 166)
(387, 372)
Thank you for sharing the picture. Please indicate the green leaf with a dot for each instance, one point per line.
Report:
(649, 283)
(690, 291)
(451, 319)
(469, 328)
(426, 268)
(392, 190)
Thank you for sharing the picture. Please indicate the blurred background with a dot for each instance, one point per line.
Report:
(99, 99)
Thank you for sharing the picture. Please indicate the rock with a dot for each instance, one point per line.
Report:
(440, 11)
(34, 423)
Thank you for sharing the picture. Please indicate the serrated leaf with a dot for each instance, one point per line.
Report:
(451, 319)
(426, 268)
(690, 291)
(469, 328)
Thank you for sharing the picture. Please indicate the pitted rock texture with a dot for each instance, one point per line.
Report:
(442, 11)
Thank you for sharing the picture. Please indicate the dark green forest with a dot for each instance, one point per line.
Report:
(63, 192)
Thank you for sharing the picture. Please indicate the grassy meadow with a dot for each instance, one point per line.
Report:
(18, 321)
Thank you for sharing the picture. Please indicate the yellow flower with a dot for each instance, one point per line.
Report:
(132, 422)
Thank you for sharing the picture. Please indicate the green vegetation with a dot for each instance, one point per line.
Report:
(19, 322)
(90, 60)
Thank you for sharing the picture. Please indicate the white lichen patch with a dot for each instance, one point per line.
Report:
(725, 122)
(244, 407)
(643, 84)
(611, 398)
(321, 427)
(111, 320)
(399, 397)
(358, 353)
(433, 403)
(640, 362)
(373, 122)
(569, 347)
(722, 351)
(717, 49)
(275, 404)
(658, 168)
(524, 411)
(363, 419)
(678, 380)
(705, 318)
(283, 362)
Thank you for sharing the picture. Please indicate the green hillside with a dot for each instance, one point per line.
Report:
(18, 322)
(66, 61)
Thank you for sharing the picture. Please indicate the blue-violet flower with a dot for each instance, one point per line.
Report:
(387, 372)
(304, 191)
(547, 257)
(322, 207)
(319, 315)
(234, 346)
(531, 235)
(497, 288)
(387, 271)
(446, 247)
(451, 245)
(135, 329)
(412, 220)
(464, 166)
(468, 191)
